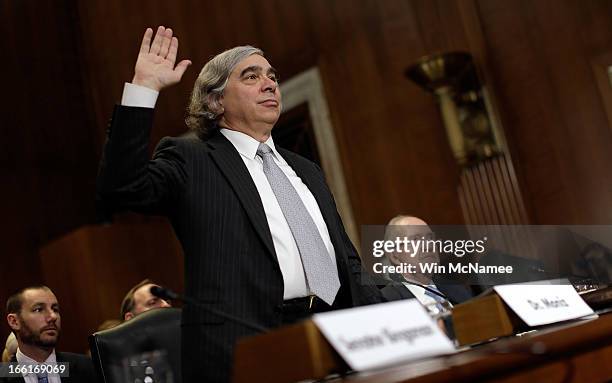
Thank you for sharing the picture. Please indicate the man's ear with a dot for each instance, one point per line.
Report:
(215, 103)
(13, 321)
(128, 315)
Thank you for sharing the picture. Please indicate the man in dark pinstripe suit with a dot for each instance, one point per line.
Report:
(240, 254)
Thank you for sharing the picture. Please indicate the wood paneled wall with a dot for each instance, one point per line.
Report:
(65, 64)
(48, 158)
(389, 131)
(92, 268)
(540, 53)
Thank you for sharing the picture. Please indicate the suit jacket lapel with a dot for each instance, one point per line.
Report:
(73, 367)
(231, 165)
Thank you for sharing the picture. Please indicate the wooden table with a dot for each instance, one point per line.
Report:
(576, 352)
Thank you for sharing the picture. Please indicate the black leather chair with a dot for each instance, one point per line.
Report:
(156, 329)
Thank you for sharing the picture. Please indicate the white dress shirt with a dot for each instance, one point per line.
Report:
(32, 378)
(284, 244)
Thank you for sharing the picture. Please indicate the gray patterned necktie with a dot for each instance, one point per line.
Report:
(42, 378)
(321, 273)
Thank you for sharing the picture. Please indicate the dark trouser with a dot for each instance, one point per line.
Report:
(207, 348)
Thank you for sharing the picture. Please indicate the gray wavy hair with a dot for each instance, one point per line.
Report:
(204, 110)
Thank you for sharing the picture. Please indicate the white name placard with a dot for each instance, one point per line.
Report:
(383, 334)
(539, 304)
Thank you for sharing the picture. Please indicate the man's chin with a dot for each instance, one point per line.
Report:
(270, 116)
(47, 340)
(46, 343)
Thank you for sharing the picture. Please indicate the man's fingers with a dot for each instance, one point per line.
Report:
(172, 50)
(182, 67)
(157, 40)
(163, 52)
(146, 41)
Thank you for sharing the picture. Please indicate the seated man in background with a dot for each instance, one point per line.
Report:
(139, 299)
(10, 348)
(431, 291)
(33, 314)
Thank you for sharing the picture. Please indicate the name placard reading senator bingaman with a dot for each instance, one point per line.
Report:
(383, 334)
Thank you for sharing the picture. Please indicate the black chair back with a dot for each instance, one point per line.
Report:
(154, 330)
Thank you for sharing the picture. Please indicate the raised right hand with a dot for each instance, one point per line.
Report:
(155, 65)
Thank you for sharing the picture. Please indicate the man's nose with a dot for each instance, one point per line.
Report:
(165, 304)
(269, 85)
(53, 315)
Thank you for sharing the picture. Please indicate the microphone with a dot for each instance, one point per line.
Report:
(167, 294)
(164, 293)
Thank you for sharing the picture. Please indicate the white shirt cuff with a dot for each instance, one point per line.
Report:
(136, 95)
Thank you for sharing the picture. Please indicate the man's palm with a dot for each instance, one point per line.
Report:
(155, 65)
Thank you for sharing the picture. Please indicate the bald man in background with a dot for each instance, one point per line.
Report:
(445, 292)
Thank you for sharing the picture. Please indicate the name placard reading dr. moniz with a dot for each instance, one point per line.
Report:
(539, 304)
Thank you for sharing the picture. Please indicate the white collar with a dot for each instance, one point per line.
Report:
(247, 145)
(23, 358)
